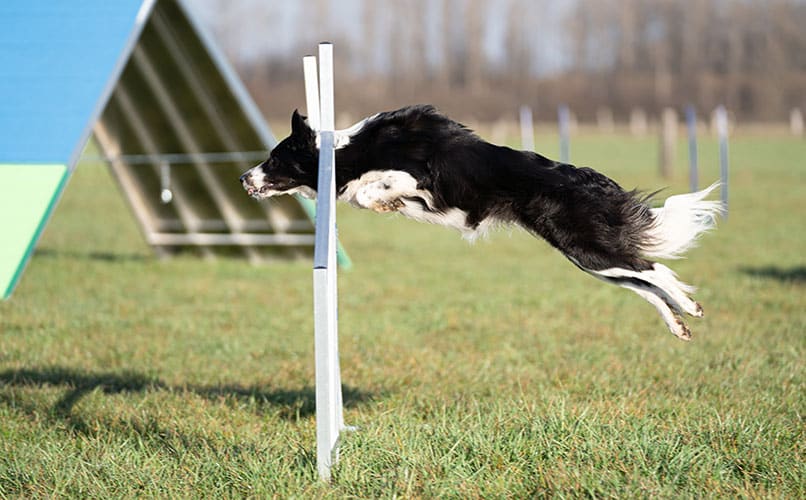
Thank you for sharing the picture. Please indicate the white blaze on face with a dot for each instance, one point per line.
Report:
(255, 176)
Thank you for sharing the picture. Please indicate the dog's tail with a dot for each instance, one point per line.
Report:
(680, 222)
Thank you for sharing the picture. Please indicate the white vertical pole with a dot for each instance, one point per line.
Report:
(328, 379)
(328, 119)
(311, 91)
(527, 129)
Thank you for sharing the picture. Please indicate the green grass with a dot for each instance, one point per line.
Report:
(492, 370)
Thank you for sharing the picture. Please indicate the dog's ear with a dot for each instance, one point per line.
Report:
(299, 126)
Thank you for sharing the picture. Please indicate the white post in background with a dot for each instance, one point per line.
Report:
(564, 117)
(796, 122)
(668, 142)
(691, 126)
(329, 416)
(722, 131)
(527, 129)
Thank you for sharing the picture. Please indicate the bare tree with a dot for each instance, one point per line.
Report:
(618, 54)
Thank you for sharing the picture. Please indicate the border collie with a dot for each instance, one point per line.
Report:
(422, 164)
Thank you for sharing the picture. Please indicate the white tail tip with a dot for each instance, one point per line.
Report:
(680, 222)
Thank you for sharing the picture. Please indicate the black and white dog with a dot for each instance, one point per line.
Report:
(420, 163)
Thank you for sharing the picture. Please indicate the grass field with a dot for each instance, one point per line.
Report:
(492, 370)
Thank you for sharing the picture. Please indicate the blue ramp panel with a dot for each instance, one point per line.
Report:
(59, 60)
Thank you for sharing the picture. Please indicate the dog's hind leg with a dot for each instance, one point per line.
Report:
(671, 317)
(659, 286)
(664, 280)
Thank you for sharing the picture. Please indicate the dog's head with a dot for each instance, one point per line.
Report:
(291, 167)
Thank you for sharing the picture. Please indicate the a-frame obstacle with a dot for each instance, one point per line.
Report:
(168, 114)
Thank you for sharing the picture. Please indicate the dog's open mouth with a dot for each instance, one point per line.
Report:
(265, 190)
(258, 192)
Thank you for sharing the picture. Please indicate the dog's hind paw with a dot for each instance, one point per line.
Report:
(680, 330)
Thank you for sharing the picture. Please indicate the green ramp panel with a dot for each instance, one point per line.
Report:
(59, 60)
(27, 196)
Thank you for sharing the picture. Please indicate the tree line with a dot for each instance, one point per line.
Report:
(482, 60)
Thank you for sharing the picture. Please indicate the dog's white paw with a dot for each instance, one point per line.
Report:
(377, 196)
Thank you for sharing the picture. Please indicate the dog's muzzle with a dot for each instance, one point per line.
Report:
(248, 183)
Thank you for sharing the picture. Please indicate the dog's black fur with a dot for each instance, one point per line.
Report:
(582, 213)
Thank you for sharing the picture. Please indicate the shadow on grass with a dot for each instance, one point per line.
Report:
(291, 404)
(795, 274)
(148, 428)
(94, 256)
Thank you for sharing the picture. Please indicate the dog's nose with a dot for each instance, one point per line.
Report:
(246, 182)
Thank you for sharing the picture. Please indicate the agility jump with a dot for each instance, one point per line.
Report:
(421, 164)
